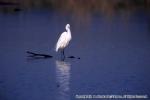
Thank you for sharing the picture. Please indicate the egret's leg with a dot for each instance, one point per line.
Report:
(64, 53)
(61, 54)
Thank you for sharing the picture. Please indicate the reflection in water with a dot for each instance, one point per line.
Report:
(63, 80)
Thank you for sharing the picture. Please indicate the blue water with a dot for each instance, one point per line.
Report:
(114, 52)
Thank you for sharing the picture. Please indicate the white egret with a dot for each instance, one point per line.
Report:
(64, 40)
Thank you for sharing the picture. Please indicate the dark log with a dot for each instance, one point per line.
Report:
(32, 54)
(39, 55)
(71, 57)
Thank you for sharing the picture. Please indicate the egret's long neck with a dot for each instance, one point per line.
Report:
(69, 31)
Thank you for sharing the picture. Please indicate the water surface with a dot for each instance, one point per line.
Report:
(114, 52)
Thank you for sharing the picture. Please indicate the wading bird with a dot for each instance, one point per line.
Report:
(64, 40)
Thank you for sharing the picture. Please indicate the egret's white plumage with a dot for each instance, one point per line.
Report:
(64, 39)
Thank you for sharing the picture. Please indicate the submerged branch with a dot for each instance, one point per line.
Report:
(32, 54)
(37, 55)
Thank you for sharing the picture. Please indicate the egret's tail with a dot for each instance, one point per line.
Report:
(56, 48)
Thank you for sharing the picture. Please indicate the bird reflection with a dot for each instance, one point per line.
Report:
(63, 80)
